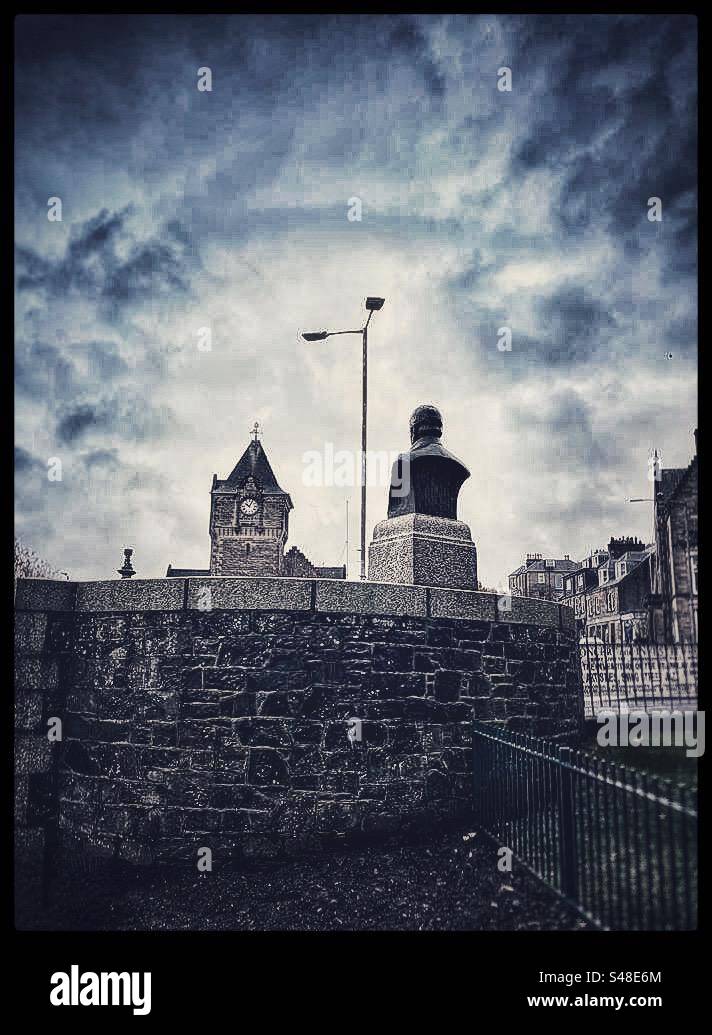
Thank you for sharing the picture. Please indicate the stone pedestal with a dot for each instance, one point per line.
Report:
(421, 550)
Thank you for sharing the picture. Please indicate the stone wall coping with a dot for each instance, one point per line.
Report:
(284, 593)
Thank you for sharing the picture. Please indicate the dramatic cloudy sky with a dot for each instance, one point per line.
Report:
(229, 209)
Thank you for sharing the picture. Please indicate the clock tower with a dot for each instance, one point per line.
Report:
(249, 517)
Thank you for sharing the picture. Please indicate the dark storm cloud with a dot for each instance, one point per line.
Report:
(128, 415)
(25, 462)
(93, 267)
(577, 325)
(45, 372)
(481, 209)
(80, 419)
(572, 328)
(41, 371)
(619, 142)
(102, 457)
(409, 39)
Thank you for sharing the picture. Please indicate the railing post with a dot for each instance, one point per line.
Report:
(567, 825)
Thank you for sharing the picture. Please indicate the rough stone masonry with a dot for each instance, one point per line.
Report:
(216, 712)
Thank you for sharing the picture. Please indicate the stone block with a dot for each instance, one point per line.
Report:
(127, 595)
(568, 619)
(468, 605)
(32, 754)
(30, 631)
(278, 594)
(423, 550)
(35, 673)
(28, 711)
(45, 595)
(532, 611)
(370, 598)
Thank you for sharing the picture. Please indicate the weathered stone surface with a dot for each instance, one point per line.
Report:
(271, 594)
(568, 619)
(30, 631)
(35, 673)
(532, 610)
(370, 598)
(423, 550)
(233, 724)
(454, 603)
(129, 595)
(45, 595)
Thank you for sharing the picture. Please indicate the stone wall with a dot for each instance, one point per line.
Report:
(677, 547)
(248, 555)
(214, 712)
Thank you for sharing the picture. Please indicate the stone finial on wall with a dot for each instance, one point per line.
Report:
(127, 571)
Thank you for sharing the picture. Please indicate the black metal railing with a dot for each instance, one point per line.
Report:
(637, 676)
(619, 844)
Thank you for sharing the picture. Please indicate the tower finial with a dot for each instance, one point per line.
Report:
(256, 431)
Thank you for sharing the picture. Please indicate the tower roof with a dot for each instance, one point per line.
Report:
(253, 464)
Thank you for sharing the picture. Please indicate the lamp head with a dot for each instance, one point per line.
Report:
(374, 304)
(315, 335)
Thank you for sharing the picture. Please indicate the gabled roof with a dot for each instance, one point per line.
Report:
(253, 464)
(633, 559)
(539, 564)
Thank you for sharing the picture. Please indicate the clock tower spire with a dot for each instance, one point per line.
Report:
(249, 516)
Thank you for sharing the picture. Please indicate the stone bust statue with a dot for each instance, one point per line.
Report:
(427, 479)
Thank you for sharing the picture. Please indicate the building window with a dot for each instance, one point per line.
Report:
(693, 574)
(603, 575)
(559, 581)
(247, 549)
(541, 577)
(579, 581)
(550, 563)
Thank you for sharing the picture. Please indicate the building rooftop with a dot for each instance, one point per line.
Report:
(538, 563)
(253, 464)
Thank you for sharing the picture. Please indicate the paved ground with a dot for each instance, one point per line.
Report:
(449, 884)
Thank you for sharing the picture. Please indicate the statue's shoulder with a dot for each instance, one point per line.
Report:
(432, 448)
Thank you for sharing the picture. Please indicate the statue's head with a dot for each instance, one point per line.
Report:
(425, 420)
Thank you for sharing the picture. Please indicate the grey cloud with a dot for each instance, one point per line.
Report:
(73, 424)
(129, 414)
(92, 267)
(180, 191)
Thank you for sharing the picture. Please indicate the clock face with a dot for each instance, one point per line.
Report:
(249, 507)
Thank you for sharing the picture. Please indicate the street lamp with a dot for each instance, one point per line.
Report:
(372, 306)
(649, 499)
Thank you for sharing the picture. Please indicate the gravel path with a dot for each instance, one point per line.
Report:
(449, 884)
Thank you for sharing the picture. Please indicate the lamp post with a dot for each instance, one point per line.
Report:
(372, 306)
